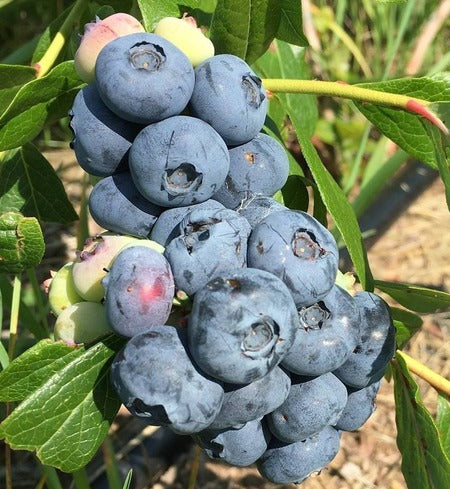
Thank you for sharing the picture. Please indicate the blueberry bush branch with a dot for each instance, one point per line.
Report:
(44, 65)
(435, 380)
(352, 92)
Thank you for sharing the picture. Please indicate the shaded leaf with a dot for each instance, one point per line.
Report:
(29, 184)
(415, 297)
(291, 25)
(408, 130)
(295, 195)
(67, 417)
(245, 28)
(406, 324)
(37, 103)
(443, 422)
(30, 370)
(21, 243)
(12, 77)
(424, 464)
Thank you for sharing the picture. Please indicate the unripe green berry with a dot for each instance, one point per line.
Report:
(187, 37)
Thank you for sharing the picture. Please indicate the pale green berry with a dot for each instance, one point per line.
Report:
(62, 292)
(82, 323)
(187, 37)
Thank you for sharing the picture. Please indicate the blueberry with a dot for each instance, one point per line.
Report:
(240, 447)
(257, 207)
(259, 167)
(116, 204)
(139, 290)
(179, 161)
(360, 406)
(376, 346)
(101, 139)
(312, 404)
(210, 241)
(229, 96)
(297, 248)
(156, 380)
(283, 463)
(144, 78)
(167, 225)
(241, 325)
(329, 332)
(244, 403)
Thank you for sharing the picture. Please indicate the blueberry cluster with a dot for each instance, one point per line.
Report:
(266, 360)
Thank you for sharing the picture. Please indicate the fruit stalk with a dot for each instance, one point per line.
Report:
(344, 90)
(47, 61)
(437, 381)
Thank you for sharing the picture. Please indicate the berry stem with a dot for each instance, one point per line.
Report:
(344, 90)
(14, 319)
(45, 64)
(435, 380)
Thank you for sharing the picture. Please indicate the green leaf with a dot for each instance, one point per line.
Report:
(442, 153)
(37, 103)
(33, 368)
(29, 184)
(245, 28)
(12, 77)
(127, 482)
(21, 243)
(424, 464)
(286, 61)
(406, 323)
(153, 11)
(415, 297)
(27, 317)
(291, 25)
(408, 130)
(443, 422)
(68, 416)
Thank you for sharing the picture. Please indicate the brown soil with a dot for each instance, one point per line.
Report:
(415, 249)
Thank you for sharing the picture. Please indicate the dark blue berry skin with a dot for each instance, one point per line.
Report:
(116, 205)
(210, 241)
(156, 380)
(240, 447)
(101, 139)
(285, 463)
(257, 207)
(229, 96)
(312, 404)
(241, 325)
(178, 162)
(298, 249)
(259, 167)
(167, 226)
(376, 346)
(139, 290)
(360, 406)
(329, 332)
(244, 403)
(144, 78)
